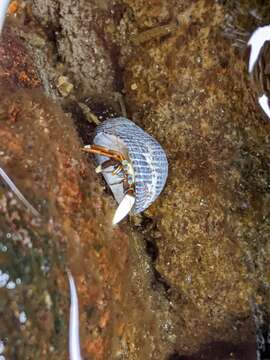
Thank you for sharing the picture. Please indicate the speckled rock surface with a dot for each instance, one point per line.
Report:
(81, 41)
(41, 152)
(183, 280)
(209, 226)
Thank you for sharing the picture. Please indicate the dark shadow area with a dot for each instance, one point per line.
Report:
(221, 351)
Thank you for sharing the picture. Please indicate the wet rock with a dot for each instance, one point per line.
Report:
(186, 289)
(36, 40)
(216, 141)
(41, 152)
(81, 41)
(15, 64)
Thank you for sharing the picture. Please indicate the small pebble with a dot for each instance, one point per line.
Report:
(22, 317)
(11, 285)
(64, 86)
(3, 280)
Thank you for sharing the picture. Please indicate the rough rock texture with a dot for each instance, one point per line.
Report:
(41, 152)
(209, 226)
(182, 281)
(81, 42)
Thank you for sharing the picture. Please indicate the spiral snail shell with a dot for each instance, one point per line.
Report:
(132, 162)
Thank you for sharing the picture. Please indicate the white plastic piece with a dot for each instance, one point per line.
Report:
(264, 102)
(3, 10)
(124, 208)
(256, 42)
(74, 323)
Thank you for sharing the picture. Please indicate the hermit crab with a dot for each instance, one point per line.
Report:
(133, 164)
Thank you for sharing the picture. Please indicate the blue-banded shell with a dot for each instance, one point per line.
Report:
(147, 157)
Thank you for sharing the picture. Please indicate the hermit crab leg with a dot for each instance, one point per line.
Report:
(114, 156)
(100, 150)
(118, 182)
(117, 170)
(106, 164)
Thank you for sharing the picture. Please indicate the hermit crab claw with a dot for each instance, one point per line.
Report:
(124, 208)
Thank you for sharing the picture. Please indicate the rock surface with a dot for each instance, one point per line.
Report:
(182, 280)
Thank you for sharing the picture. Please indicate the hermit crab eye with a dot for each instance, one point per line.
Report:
(130, 179)
(120, 142)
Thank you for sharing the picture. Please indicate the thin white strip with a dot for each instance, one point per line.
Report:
(74, 322)
(264, 102)
(3, 10)
(17, 192)
(256, 42)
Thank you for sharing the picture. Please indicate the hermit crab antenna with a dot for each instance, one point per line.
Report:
(3, 11)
